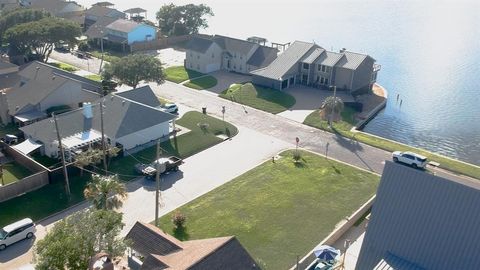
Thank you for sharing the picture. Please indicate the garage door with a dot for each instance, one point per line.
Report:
(212, 67)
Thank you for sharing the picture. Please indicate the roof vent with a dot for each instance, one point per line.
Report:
(53, 77)
(36, 72)
(123, 102)
(87, 110)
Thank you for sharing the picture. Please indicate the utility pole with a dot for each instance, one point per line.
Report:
(157, 180)
(62, 154)
(103, 139)
(101, 46)
(333, 107)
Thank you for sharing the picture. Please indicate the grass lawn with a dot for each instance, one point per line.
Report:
(183, 146)
(94, 77)
(42, 202)
(64, 66)
(279, 210)
(8, 129)
(266, 99)
(13, 171)
(202, 83)
(180, 74)
(108, 56)
(343, 128)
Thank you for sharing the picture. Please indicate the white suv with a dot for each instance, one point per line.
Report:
(410, 158)
(170, 108)
(10, 234)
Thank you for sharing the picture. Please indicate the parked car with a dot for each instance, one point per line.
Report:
(170, 108)
(20, 230)
(170, 164)
(410, 158)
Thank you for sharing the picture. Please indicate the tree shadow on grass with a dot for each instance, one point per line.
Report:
(181, 233)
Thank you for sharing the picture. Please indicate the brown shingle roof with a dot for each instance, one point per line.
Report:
(212, 253)
(148, 239)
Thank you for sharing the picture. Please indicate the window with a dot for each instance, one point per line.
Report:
(321, 80)
(319, 67)
(323, 68)
(241, 57)
(191, 66)
(326, 81)
(235, 67)
(241, 67)
(198, 66)
(305, 66)
(328, 69)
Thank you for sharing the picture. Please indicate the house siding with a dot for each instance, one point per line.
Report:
(204, 62)
(142, 33)
(266, 82)
(143, 136)
(343, 78)
(363, 75)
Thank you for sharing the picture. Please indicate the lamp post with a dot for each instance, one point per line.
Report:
(333, 107)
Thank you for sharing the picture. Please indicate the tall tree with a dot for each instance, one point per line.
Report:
(134, 68)
(105, 192)
(40, 36)
(19, 16)
(74, 240)
(183, 20)
(332, 106)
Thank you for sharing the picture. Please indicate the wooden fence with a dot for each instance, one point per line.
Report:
(162, 43)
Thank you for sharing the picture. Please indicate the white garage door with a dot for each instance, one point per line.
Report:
(213, 67)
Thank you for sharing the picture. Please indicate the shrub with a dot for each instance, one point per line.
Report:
(179, 220)
(83, 46)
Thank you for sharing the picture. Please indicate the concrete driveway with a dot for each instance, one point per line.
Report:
(308, 100)
(225, 79)
(171, 57)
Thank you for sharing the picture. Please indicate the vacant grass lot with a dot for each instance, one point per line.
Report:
(13, 172)
(279, 210)
(265, 99)
(180, 74)
(202, 83)
(42, 202)
(183, 146)
(343, 128)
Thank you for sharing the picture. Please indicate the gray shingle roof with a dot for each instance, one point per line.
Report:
(425, 219)
(142, 95)
(121, 116)
(55, 7)
(285, 61)
(29, 70)
(99, 11)
(5, 65)
(261, 57)
(311, 57)
(123, 25)
(198, 44)
(25, 96)
(97, 30)
(351, 60)
(329, 58)
(234, 45)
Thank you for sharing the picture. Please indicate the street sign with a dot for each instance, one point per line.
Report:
(297, 140)
(223, 109)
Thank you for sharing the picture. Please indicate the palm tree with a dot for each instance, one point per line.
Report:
(105, 192)
(332, 105)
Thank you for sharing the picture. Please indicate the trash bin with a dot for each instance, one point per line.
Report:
(204, 110)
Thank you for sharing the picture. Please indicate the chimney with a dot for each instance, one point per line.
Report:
(36, 72)
(342, 50)
(87, 110)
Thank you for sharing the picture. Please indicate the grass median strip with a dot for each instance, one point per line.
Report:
(265, 99)
(343, 128)
(202, 83)
(180, 74)
(64, 66)
(279, 210)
